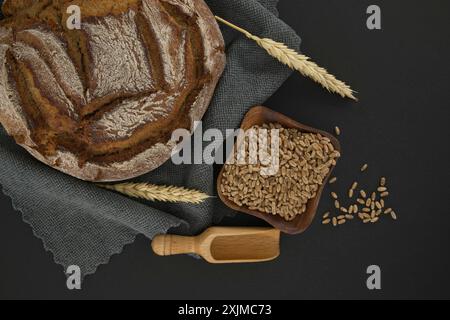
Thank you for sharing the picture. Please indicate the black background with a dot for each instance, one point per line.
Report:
(400, 127)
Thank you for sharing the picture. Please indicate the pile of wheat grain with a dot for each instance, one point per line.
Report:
(305, 159)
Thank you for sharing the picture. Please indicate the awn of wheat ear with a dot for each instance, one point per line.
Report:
(299, 62)
(158, 193)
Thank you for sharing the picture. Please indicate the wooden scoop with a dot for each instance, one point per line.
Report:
(224, 245)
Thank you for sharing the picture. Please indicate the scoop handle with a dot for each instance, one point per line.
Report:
(168, 245)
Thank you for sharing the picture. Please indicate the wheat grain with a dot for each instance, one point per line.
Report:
(367, 216)
(337, 205)
(158, 193)
(350, 193)
(298, 62)
(394, 215)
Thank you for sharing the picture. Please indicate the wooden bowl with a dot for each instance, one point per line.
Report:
(259, 116)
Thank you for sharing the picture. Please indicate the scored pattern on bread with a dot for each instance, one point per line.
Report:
(101, 103)
(118, 64)
(52, 51)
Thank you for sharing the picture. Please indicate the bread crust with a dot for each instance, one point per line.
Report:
(105, 131)
(11, 7)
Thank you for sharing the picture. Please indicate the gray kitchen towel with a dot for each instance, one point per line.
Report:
(84, 225)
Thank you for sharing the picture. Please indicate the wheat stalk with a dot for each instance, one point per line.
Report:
(158, 193)
(299, 62)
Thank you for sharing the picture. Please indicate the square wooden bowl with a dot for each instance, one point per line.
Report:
(259, 116)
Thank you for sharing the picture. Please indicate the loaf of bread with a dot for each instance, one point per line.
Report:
(100, 103)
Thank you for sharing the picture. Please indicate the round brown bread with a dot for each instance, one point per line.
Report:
(101, 103)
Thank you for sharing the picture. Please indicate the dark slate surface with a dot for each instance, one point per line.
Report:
(399, 127)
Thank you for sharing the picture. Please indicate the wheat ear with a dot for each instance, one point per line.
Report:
(298, 62)
(158, 193)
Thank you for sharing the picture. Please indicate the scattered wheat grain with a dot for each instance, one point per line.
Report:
(337, 205)
(337, 130)
(335, 222)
